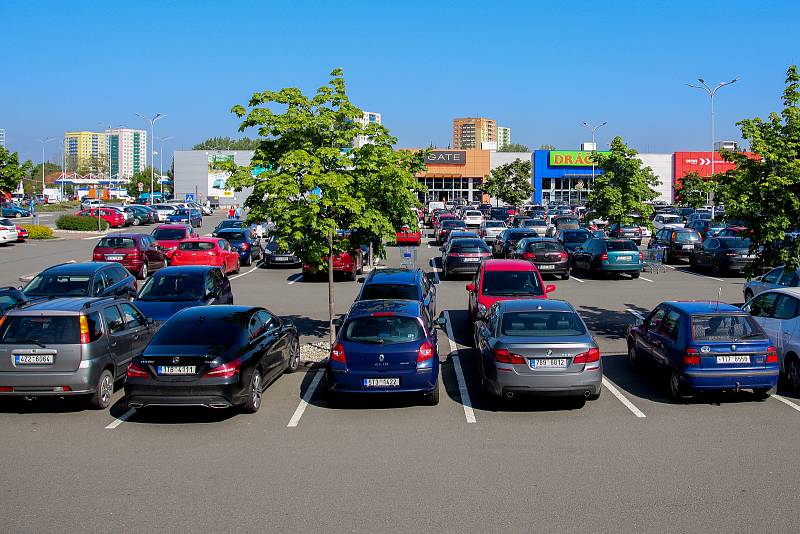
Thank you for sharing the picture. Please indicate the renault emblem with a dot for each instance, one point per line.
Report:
(380, 358)
(175, 359)
(733, 348)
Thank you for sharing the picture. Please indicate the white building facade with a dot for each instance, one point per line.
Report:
(127, 151)
(370, 117)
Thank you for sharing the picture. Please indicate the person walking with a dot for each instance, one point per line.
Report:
(238, 211)
(231, 212)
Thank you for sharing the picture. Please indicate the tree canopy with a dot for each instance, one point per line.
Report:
(623, 190)
(694, 190)
(765, 191)
(226, 143)
(511, 182)
(11, 170)
(142, 177)
(514, 147)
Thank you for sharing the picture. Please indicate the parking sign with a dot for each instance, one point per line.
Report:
(189, 197)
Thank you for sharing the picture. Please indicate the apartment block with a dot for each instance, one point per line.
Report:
(472, 132)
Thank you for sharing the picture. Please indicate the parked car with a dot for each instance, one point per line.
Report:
(722, 254)
(349, 263)
(733, 231)
(399, 284)
(113, 217)
(174, 288)
(614, 256)
(676, 242)
(572, 239)
(143, 214)
(472, 218)
(8, 231)
(498, 280)
(22, 234)
(461, 256)
(706, 227)
(206, 251)
(502, 213)
(539, 347)
(546, 253)
(705, 346)
(385, 347)
(70, 346)
(192, 217)
(774, 279)
(213, 356)
(540, 225)
(667, 220)
(446, 226)
(91, 279)
(88, 203)
(139, 253)
(169, 235)
(225, 224)
(164, 211)
(9, 209)
(406, 236)
(507, 241)
(10, 298)
(563, 222)
(243, 241)
(777, 311)
(626, 231)
(684, 212)
(460, 234)
(274, 254)
(489, 230)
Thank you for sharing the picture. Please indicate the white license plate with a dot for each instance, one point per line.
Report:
(381, 382)
(472, 259)
(33, 359)
(624, 258)
(552, 363)
(281, 258)
(733, 359)
(687, 247)
(175, 369)
(747, 256)
(546, 267)
(114, 257)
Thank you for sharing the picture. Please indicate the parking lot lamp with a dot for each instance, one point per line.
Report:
(594, 144)
(152, 122)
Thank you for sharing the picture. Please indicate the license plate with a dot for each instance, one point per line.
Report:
(687, 247)
(551, 363)
(381, 382)
(175, 369)
(624, 258)
(33, 359)
(733, 359)
(546, 267)
(472, 259)
(114, 257)
(281, 258)
(746, 256)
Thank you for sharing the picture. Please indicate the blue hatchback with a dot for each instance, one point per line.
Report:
(705, 346)
(386, 346)
(191, 216)
(407, 284)
(12, 210)
(248, 247)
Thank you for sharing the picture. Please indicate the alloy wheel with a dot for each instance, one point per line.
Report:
(255, 390)
(106, 389)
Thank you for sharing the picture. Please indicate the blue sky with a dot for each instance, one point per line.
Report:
(541, 68)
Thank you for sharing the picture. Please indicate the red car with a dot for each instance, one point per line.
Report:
(348, 263)
(22, 234)
(169, 235)
(138, 253)
(114, 218)
(503, 280)
(206, 251)
(407, 236)
(437, 219)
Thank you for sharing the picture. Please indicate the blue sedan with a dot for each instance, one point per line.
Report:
(705, 346)
(12, 210)
(248, 247)
(192, 217)
(384, 347)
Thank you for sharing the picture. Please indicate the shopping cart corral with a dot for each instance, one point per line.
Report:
(654, 260)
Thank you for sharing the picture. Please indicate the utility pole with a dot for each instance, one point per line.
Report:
(44, 142)
(594, 144)
(152, 122)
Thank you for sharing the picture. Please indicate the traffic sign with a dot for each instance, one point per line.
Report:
(188, 197)
(140, 185)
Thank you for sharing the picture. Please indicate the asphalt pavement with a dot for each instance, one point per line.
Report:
(630, 461)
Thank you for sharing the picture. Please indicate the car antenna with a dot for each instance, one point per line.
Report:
(719, 294)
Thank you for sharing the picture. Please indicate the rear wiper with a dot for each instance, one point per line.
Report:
(31, 341)
(376, 341)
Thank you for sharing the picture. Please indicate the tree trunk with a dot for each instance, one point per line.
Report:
(330, 290)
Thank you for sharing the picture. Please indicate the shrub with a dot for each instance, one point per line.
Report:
(82, 223)
(58, 206)
(38, 231)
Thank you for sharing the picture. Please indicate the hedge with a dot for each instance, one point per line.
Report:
(80, 222)
(38, 231)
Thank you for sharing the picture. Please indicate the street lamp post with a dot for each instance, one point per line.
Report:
(161, 162)
(594, 144)
(711, 93)
(152, 122)
(44, 142)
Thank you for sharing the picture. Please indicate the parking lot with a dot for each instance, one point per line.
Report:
(632, 460)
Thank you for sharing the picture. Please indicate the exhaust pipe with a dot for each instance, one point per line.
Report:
(509, 394)
(134, 405)
(217, 405)
(587, 393)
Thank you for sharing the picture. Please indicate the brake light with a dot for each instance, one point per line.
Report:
(641, 256)
(337, 353)
(604, 256)
(84, 330)
(592, 355)
(503, 356)
(527, 256)
(135, 371)
(425, 352)
(383, 314)
(772, 355)
(6, 389)
(244, 246)
(674, 235)
(563, 255)
(691, 357)
(226, 370)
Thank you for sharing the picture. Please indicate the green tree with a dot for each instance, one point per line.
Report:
(547, 147)
(511, 182)
(514, 147)
(624, 188)
(226, 143)
(765, 191)
(142, 177)
(12, 172)
(694, 190)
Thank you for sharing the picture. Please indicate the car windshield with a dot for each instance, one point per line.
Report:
(169, 234)
(43, 330)
(469, 245)
(575, 237)
(172, 287)
(453, 223)
(196, 245)
(735, 242)
(621, 245)
(225, 332)
(725, 328)
(544, 246)
(686, 237)
(117, 242)
(542, 324)
(384, 330)
(511, 283)
(671, 219)
(390, 291)
(522, 235)
(494, 224)
(61, 285)
(233, 237)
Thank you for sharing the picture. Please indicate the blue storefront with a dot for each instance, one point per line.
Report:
(562, 176)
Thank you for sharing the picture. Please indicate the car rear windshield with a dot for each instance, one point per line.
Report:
(494, 224)
(390, 291)
(473, 214)
(196, 245)
(725, 328)
(621, 245)
(566, 220)
(181, 212)
(62, 285)
(383, 330)
(172, 287)
(40, 329)
(469, 245)
(233, 237)
(522, 234)
(544, 246)
(575, 237)
(117, 242)
(511, 284)
(453, 223)
(542, 324)
(169, 234)
(218, 332)
(687, 237)
(735, 242)
(671, 218)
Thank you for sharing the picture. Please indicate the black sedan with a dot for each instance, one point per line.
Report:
(461, 256)
(213, 356)
(572, 239)
(546, 253)
(507, 241)
(722, 254)
(676, 242)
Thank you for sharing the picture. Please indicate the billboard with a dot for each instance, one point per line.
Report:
(700, 162)
(571, 158)
(217, 179)
(446, 157)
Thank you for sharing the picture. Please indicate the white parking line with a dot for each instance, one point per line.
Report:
(243, 274)
(435, 271)
(636, 314)
(645, 279)
(121, 419)
(610, 386)
(701, 275)
(295, 278)
(787, 402)
(469, 414)
(668, 266)
(573, 277)
(298, 413)
(93, 237)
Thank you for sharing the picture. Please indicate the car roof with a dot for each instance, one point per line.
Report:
(123, 234)
(184, 269)
(172, 226)
(793, 291)
(693, 307)
(62, 304)
(364, 308)
(394, 276)
(89, 267)
(212, 312)
(196, 239)
(508, 265)
(535, 305)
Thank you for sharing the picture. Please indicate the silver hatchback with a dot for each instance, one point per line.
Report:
(537, 346)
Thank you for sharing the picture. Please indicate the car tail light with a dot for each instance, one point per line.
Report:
(592, 355)
(731, 254)
(641, 256)
(6, 389)
(425, 352)
(527, 256)
(563, 255)
(135, 371)
(503, 356)
(97, 256)
(226, 370)
(604, 256)
(691, 357)
(337, 353)
(84, 330)
(772, 355)
(245, 246)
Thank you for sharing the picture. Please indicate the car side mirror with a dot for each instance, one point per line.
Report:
(151, 321)
(361, 280)
(471, 288)
(288, 323)
(549, 288)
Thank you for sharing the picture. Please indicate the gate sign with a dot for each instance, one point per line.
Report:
(188, 197)
(446, 157)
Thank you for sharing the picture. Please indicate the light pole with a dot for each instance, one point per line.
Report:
(712, 93)
(161, 162)
(594, 144)
(44, 142)
(152, 122)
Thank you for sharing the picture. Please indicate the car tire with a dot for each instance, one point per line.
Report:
(635, 275)
(238, 267)
(294, 357)
(17, 215)
(432, 397)
(104, 391)
(633, 357)
(253, 401)
(677, 389)
(143, 272)
(595, 396)
(791, 369)
(137, 221)
(248, 261)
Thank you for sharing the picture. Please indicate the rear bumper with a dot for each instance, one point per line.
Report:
(557, 268)
(463, 267)
(31, 383)
(219, 396)
(620, 268)
(274, 260)
(708, 380)
(416, 381)
(584, 383)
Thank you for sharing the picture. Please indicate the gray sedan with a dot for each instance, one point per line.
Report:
(774, 279)
(537, 346)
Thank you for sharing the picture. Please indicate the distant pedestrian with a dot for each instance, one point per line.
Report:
(238, 211)
(231, 212)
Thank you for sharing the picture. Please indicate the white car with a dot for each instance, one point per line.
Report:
(164, 210)
(778, 313)
(8, 231)
(91, 203)
(667, 220)
(472, 218)
(489, 230)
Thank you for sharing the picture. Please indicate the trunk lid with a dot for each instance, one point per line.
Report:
(58, 349)
(551, 356)
(176, 363)
(380, 358)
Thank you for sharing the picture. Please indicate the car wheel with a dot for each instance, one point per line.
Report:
(294, 357)
(253, 401)
(666, 259)
(137, 221)
(633, 358)
(635, 275)
(677, 390)
(761, 393)
(792, 371)
(238, 267)
(248, 261)
(143, 272)
(565, 276)
(104, 391)
(432, 397)
(17, 215)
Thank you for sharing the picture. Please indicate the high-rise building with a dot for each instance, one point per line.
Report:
(473, 132)
(2, 138)
(86, 151)
(127, 151)
(503, 137)
(370, 117)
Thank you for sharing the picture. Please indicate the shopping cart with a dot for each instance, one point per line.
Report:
(408, 257)
(654, 260)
